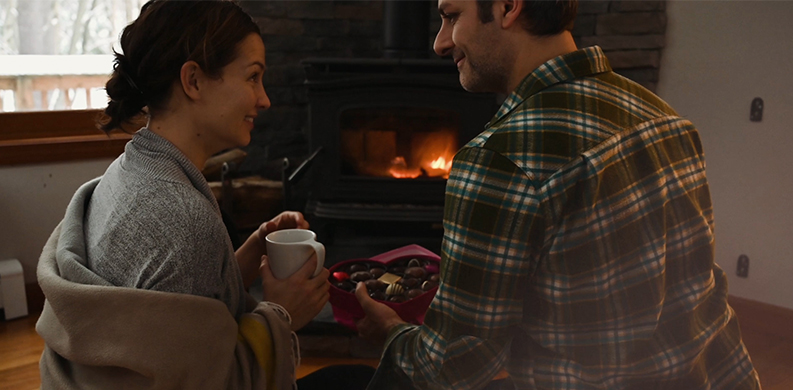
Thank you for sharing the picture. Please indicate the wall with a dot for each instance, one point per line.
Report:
(719, 56)
(33, 199)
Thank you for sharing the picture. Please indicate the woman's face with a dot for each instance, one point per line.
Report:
(233, 100)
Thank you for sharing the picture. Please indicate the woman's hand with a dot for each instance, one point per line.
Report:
(300, 294)
(285, 220)
(249, 255)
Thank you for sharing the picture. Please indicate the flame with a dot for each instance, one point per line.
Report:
(377, 153)
(440, 163)
(399, 169)
(438, 167)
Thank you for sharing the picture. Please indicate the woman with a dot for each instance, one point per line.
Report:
(143, 287)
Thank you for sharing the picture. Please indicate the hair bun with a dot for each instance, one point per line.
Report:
(126, 98)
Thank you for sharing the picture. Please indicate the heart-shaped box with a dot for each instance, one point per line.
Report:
(347, 310)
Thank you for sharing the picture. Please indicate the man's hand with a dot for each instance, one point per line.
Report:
(300, 294)
(379, 318)
(285, 220)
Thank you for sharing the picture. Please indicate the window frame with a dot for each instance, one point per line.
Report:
(57, 136)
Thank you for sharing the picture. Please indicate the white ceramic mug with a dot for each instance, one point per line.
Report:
(289, 249)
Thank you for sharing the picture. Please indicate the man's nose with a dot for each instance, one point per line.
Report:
(443, 42)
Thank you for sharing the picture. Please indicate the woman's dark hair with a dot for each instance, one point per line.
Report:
(154, 47)
(539, 17)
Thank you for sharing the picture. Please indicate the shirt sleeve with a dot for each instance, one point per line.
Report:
(191, 254)
(491, 213)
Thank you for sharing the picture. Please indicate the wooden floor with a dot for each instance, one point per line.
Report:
(767, 332)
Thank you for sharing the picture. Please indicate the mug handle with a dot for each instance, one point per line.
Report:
(319, 249)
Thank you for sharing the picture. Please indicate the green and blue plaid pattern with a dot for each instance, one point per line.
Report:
(578, 248)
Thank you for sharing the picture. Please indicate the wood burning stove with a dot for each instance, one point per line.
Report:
(388, 129)
(384, 127)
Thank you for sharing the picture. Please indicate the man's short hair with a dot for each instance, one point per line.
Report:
(539, 17)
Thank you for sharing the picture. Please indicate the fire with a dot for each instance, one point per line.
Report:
(438, 167)
(399, 169)
(440, 163)
(401, 155)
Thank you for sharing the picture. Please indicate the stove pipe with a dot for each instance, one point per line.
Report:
(406, 28)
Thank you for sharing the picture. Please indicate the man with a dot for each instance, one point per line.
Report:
(578, 246)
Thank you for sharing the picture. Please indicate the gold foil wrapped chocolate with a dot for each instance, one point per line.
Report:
(394, 289)
(389, 278)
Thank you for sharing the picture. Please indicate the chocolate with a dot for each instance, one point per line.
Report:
(397, 270)
(377, 272)
(374, 285)
(410, 282)
(360, 276)
(395, 289)
(345, 285)
(398, 282)
(358, 267)
(428, 285)
(378, 295)
(389, 278)
(416, 272)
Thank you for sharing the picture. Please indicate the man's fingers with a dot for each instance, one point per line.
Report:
(363, 296)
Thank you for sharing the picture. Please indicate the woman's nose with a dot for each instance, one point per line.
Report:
(263, 101)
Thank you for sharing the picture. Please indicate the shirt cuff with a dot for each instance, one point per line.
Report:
(397, 331)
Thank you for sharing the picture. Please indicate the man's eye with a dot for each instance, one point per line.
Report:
(450, 17)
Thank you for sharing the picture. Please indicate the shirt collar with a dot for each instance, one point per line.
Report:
(580, 63)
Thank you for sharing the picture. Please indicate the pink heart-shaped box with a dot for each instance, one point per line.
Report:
(347, 310)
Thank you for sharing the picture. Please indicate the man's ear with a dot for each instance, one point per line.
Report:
(190, 76)
(510, 12)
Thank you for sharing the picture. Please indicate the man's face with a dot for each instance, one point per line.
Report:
(476, 47)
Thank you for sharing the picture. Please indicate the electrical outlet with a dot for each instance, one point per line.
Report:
(743, 266)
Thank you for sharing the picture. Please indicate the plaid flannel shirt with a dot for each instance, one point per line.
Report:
(578, 248)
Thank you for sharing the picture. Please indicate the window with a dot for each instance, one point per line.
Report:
(56, 55)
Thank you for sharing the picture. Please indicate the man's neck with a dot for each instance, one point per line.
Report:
(534, 51)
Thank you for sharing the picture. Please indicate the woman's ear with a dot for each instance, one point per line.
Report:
(510, 12)
(190, 75)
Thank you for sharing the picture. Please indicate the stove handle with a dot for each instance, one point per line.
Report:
(296, 175)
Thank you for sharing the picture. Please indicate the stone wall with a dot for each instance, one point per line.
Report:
(630, 32)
